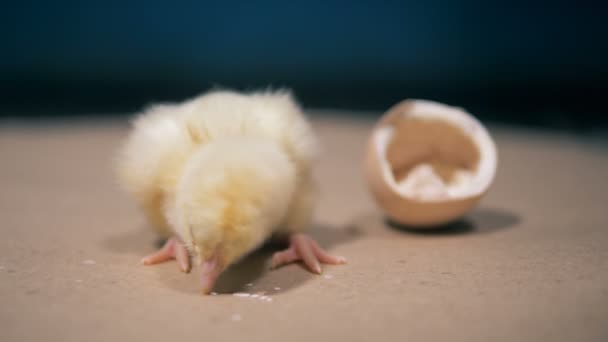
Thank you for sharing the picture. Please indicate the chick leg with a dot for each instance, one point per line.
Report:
(173, 249)
(302, 247)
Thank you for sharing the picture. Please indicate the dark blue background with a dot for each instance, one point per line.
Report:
(542, 63)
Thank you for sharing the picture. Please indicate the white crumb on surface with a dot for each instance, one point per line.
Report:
(250, 284)
(89, 262)
(276, 288)
(328, 276)
(259, 296)
(214, 293)
(236, 317)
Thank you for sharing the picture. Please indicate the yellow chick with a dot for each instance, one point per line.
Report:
(220, 174)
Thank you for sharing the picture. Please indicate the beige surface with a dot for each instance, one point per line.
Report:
(530, 264)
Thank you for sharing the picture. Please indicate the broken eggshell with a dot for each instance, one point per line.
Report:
(428, 164)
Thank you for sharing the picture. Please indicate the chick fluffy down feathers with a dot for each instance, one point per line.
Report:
(223, 171)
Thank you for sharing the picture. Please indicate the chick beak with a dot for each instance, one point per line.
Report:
(210, 271)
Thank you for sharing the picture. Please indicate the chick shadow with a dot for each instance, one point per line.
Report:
(252, 274)
(480, 221)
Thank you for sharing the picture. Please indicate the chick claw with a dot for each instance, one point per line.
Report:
(173, 249)
(302, 247)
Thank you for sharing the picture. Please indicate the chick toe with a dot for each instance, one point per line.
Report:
(172, 249)
(304, 248)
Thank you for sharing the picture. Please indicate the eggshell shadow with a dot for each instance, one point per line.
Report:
(479, 221)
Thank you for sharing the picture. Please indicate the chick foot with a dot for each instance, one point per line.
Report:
(173, 249)
(303, 247)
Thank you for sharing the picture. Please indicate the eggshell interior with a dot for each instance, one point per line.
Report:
(430, 158)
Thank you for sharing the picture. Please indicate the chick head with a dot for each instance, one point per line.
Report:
(232, 195)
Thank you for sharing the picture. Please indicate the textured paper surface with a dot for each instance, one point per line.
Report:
(530, 264)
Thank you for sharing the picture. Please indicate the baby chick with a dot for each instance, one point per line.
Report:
(220, 174)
